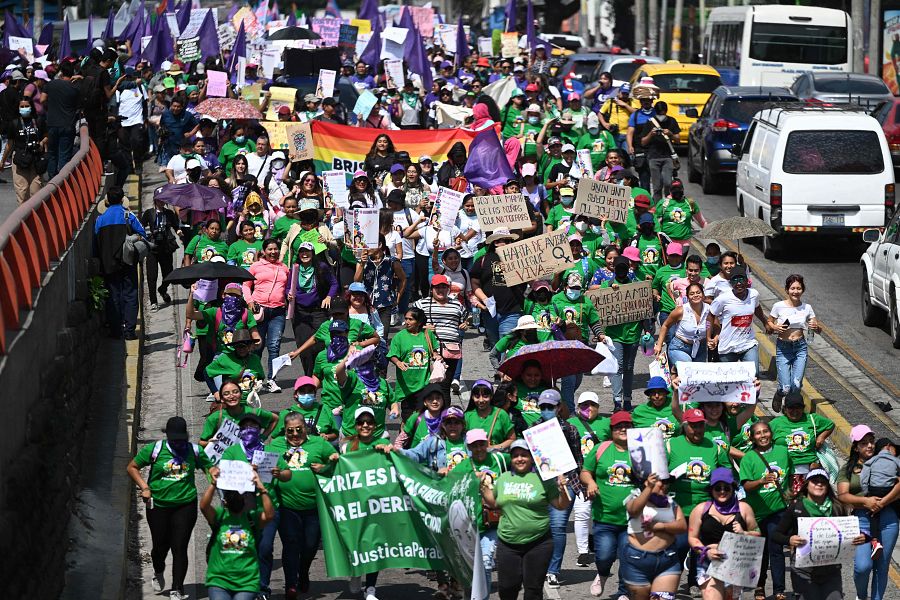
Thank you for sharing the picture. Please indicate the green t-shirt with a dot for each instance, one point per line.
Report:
(416, 427)
(203, 248)
(356, 445)
(355, 395)
(675, 217)
(457, 453)
(769, 498)
(214, 420)
(324, 372)
(260, 226)
(223, 337)
(651, 252)
(599, 146)
(359, 331)
(510, 127)
(528, 398)
(624, 333)
(510, 343)
(317, 415)
(661, 279)
(581, 312)
(171, 478)
(242, 254)
(245, 370)
(281, 227)
(799, 437)
(229, 151)
(585, 266)
(588, 441)
(741, 439)
(647, 415)
(233, 562)
(413, 351)
(544, 315)
(612, 472)
(524, 501)
(502, 425)
(852, 479)
(717, 435)
(558, 217)
(691, 488)
(299, 493)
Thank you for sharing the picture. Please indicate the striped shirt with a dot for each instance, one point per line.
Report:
(446, 318)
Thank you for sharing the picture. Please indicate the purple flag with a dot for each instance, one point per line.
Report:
(418, 60)
(135, 24)
(161, 47)
(332, 9)
(239, 49)
(406, 19)
(90, 33)
(233, 10)
(46, 38)
(108, 31)
(462, 46)
(137, 53)
(292, 19)
(531, 36)
(372, 54)
(13, 28)
(487, 166)
(369, 10)
(209, 41)
(65, 46)
(183, 17)
(511, 15)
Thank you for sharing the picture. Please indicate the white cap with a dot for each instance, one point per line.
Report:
(588, 397)
(363, 410)
(568, 148)
(165, 66)
(533, 108)
(98, 43)
(192, 163)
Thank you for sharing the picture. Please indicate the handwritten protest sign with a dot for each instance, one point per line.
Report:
(625, 304)
(423, 17)
(217, 84)
(742, 562)
(717, 382)
(362, 40)
(22, 43)
(265, 462)
(280, 96)
(647, 450)
(509, 44)
(394, 71)
(325, 86)
(226, 436)
(602, 200)
(446, 207)
(235, 475)
(328, 28)
(535, 257)
(335, 189)
(300, 142)
(504, 211)
(551, 452)
(250, 93)
(829, 541)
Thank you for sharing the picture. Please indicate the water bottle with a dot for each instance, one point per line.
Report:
(810, 334)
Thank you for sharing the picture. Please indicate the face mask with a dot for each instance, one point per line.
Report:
(594, 130)
(581, 226)
(250, 436)
(179, 446)
(647, 228)
(647, 111)
(573, 294)
(534, 120)
(585, 412)
(306, 400)
(678, 194)
(712, 260)
(239, 139)
(567, 200)
(25, 112)
(548, 415)
(596, 229)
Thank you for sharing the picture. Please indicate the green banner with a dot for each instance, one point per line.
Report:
(387, 512)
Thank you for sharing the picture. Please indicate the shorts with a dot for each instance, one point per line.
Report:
(640, 567)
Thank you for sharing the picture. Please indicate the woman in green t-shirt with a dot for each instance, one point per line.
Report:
(233, 408)
(523, 534)
(529, 385)
(803, 433)
(482, 414)
(244, 251)
(411, 351)
(170, 495)
(524, 333)
(232, 570)
(656, 411)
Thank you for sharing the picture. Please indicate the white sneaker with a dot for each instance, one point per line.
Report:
(454, 386)
(598, 585)
(154, 307)
(272, 387)
(175, 595)
(159, 582)
(606, 381)
(355, 585)
(211, 397)
(552, 580)
(370, 593)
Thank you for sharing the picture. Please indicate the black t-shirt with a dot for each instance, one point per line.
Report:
(62, 105)
(487, 271)
(559, 171)
(96, 104)
(658, 148)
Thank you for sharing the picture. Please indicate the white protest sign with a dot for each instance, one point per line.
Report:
(742, 562)
(445, 35)
(198, 15)
(279, 362)
(363, 232)
(535, 257)
(503, 211)
(509, 44)
(270, 60)
(235, 475)
(394, 71)
(265, 462)
(583, 167)
(446, 207)
(226, 436)
(602, 200)
(624, 304)
(829, 541)
(551, 452)
(485, 46)
(335, 189)
(23, 43)
(717, 382)
(325, 86)
(647, 450)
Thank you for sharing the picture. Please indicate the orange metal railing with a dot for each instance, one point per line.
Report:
(41, 229)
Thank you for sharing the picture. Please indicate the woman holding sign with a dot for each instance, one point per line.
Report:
(232, 409)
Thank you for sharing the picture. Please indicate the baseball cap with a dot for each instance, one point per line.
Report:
(359, 174)
(574, 96)
(532, 87)
(529, 170)
(234, 289)
(453, 412)
(159, 88)
(311, 98)
(284, 109)
(168, 82)
(483, 62)
(516, 92)
(568, 148)
(357, 287)
(632, 253)
(446, 64)
(304, 380)
(816, 473)
(165, 65)
(693, 415)
(397, 168)
(675, 248)
(307, 246)
(41, 74)
(338, 306)
(17, 75)
(642, 200)
(533, 108)
(439, 280)
(520, 444)
(540, 284)
(625, 88)
(476, 435)
(793, 399)
(677, 183)
(550, 396)
(721, 475)
(191, 163)
(338, 326)
(554, 141)
(425, 158)
(645, 218)
(363, 410)
(574, 280)
(588, 397)
(738, 271)
(656, 383)
(859, 432)
(619, 417)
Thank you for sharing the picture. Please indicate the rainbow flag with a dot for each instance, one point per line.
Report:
(344, 148)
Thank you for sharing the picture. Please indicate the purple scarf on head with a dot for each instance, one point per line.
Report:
(232, 309)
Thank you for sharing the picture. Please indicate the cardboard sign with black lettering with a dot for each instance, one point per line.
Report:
(300, 142)
(535, 257)
(602, 200)
(624, 304)
(505, 211)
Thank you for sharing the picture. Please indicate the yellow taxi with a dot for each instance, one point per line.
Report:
(682, 86)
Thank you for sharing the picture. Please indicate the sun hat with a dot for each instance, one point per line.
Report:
(501, 234)
(656, 383)
(525, 323)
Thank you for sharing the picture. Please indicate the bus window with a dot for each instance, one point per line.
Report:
(791, 43)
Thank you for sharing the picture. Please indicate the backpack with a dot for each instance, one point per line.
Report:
(157, 448)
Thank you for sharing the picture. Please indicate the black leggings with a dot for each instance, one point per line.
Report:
(523, 565)
(158, 263)
(170, 529)
(421, 285)
(305, 323)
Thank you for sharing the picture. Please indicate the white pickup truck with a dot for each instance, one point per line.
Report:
(881, 277)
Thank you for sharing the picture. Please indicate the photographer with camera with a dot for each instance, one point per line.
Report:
(163, 230)
(28, 145)
(657, 136)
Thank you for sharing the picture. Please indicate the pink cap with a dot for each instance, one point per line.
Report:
(631, 253)
(574, 96)
(540, 284)
(859, 432)
(675, 248)
(528, 170)
(476, 435)
(304, 380)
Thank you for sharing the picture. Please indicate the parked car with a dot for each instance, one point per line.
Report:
(722, 124)
(580, 66)
(682, 86)
(841, 88)
(814, 171)
(621, 66)
(888, 114)
(881, 277)
(564, 40)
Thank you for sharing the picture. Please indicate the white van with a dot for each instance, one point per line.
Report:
(810, 170)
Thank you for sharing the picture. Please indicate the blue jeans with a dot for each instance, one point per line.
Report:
(488, 540)
(408, 265)
(497, 327)
(270, 329)
(774, 554)
(216, 593)
(748, 355)
(639, 568)
(300, 534)
(265, 549)
(60, 144)
(558, 521)
(623, 380)
(863, 565)
(567, 387)
(679, 351)
(790, 362)
(122, 302)
(671, 333)
(608, 541)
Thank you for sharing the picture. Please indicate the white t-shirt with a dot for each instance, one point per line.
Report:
(651, 514)
(798, 316)
(401, 221)
(392, 239)
(465, 223)
(736, 317)
(258, 166)
(131, 106)
(716, 285)
(425, 244)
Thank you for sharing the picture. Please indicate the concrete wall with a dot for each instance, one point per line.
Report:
(45, 388)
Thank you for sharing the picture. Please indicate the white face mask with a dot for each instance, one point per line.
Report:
(581, 226)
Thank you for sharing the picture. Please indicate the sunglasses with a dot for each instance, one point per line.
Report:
(721, 487)
(243, 344)
(365, 423)
(296, 430)
(818, 481)
(546, 407)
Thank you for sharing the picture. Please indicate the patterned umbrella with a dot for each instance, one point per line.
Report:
(227, 108)
(736, 228)
(557, 358)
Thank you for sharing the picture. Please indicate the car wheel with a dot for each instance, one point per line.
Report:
(693, 174)
(709, 182)
(895, 323)
(872, 316)
(771, 246)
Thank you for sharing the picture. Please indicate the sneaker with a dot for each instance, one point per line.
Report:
(877, 548)
(176, 595)
(272, 387)
(627, 405)
(211, 397)
(154, 307)
(606, 382)
(370, 593)
(597, 585)
(481, 330)
(486, 346)
(264, 596)
(130, 335)
(159, 582)
(623, 597)
(108, 168)
(454, 386)
(777, 400)
(290, 594)
(552, 581)
(585, 560)
(355, 585)
(165, 296)
(617, 406)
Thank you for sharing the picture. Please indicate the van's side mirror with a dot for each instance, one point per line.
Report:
(737, 150)
(871, 235)
(692, 113)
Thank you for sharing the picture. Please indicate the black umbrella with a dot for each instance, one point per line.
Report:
(191, 195)
(208, 270)
(294, 33)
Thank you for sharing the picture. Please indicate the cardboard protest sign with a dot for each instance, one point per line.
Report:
(280, 96)
(189, 49)
(717, 382)
(325, 85)
(602, 200)
(251, 94)
(227, 435)
(300, 141)
(334, 185)
(535, 257)
(743, 559)
(624, 304)
(647, 450)
(829, 541)
(503, 211)
(551, 452)
(509, 44)
(278, 134)
(446, 207)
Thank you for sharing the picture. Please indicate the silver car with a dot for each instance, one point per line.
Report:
(841, 88)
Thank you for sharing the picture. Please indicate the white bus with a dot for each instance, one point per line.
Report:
(770, 44)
